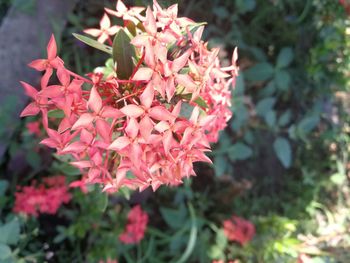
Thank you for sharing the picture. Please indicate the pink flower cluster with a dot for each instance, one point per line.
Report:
(239, 230)
(146, 130)
(46, 197)
(136, 226)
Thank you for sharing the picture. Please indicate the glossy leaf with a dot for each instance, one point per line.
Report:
(93, 43)
(123, 54)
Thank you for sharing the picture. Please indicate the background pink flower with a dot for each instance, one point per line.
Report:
(46, 197)
(136, 226)
(239, 230)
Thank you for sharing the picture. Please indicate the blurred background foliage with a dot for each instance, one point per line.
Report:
(282, 162)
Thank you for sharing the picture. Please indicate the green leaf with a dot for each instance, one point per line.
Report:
(9, 232)
(186, 110)
(285, 57)
(270, 118)
(68, 169)
(240, 86)
(245, 6)
(123, 54)
(33, 159)
(285, 118)
(58, 114)
(25, 6)
(308, 123)
(177, 243)
(338, 178)
(103, 202)
(193, 237)
(259, 72)
(258, 53)
(283, 151)
(3, 187)
(265, 105)
(240, 118)
(220, 164)
(215, 252)
(221, 12)
(125, 192)
(5, 252)
(175, 218)
(221, 239)
(268, 90)
(239, 151)
(282, 79)
(199, 100)
(93, 43)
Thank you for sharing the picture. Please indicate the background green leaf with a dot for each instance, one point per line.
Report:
(283, 151)
(285, 57)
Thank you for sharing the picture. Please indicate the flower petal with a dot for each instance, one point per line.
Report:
(105, 22)
(52, 48)
(143, 74)
(120, 143)
(95, 101)
(146, 127)
(132, 110)
(84, 120)
(160, 113)
(147, 96)
(31, 110)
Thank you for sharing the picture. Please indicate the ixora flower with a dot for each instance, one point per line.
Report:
(136, 226)
(46, 197)
(147, 117)
(239, 230)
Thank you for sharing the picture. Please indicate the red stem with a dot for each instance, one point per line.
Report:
(110, 41)
(130, 95)
(138, 65)
(79, 77)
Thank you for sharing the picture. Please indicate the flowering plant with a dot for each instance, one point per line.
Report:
(147, 118)
(46, 197)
